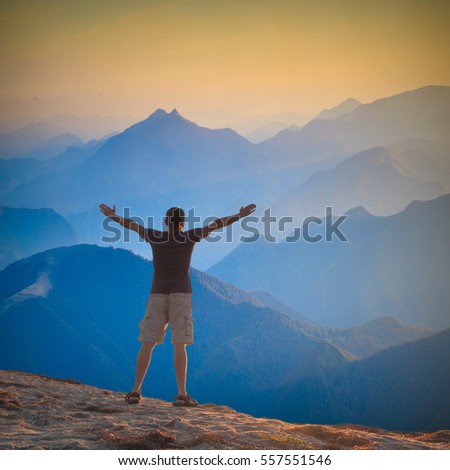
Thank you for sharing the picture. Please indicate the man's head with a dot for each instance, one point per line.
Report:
(175, 219)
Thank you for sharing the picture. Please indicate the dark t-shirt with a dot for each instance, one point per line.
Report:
(172, 259)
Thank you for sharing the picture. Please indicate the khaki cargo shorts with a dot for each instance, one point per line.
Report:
(163, 309)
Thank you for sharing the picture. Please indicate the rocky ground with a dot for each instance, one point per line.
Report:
(37, 412)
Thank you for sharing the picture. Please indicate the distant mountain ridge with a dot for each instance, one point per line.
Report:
(53, 292)
(24, 232)
(345, 107)
(423, 113)
(164, 143)
(84, 303)
(167, 160)
(266, 132)
(400, 388)
(87, 128)
(371, 337)
(160, 162)
(55, 146)
(384, 180)
(19, 171)
(134, 164)
(392, 265)
(273, 302)
(355, 342)
(23, 140)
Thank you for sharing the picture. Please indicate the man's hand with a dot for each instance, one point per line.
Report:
(247, 210)
(129, 224)
(108, 211)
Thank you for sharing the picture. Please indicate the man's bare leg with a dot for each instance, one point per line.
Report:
(180, 362)
(142, 363)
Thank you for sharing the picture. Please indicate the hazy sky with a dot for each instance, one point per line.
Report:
(250, 57)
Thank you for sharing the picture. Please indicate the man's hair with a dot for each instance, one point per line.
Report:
(174, 217)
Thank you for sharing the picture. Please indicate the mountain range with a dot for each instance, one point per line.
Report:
(337, 111)
(418, 114)
(55, 146)
(135, 163)
(73, 311)
(24, 232)
(400, 388)
(167, 160)
(383, 180)
(354, 342)
(66, 293)
(333, 331)
(131, 169)
(247, 126)
(266, 131)
(18, 171)
(21, 141)
(272, 128)
(19, 136)
(395, 265)
(133, 166)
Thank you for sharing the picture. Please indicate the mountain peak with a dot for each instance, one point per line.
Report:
(358, 212)
(342, 108)
(161, 117)
(163, 114)
(158, 113)
(350, 101)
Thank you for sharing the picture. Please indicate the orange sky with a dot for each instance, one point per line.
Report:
(248, 57)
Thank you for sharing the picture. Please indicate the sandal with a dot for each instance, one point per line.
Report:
(132, 397)
(184, 400)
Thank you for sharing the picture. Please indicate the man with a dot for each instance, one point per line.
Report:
(170, 300)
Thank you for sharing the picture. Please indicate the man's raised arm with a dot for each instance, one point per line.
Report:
(127, 223)
(225, 221)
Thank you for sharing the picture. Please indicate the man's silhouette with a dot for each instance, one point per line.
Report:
(170, 300)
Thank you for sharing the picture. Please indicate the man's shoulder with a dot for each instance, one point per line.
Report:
(194, 234)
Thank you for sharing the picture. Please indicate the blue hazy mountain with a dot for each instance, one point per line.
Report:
(55, 146)
(384, 180)
(73, 312)
(420, 114)
(90, 127)
(37, 140)
(246, 126)
(18, 136)
(167, 160)
(17, 171)
(267, 131)
(21, 141)
(271, 301)
(14, 171)
(355, 342)
(24, 232)
(400, 388)
(395, 265)
(161, 162)
(152, 162)
(166, 155)
(369, 338)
